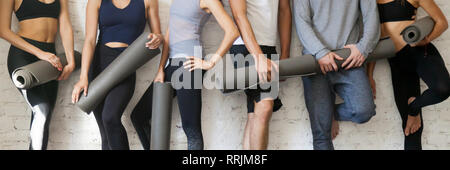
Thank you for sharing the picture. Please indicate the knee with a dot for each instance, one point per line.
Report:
(192, 131)
(191, 127)
(41, 114)
(443, 90)
(111, 122)
(264, 111)
(363, 114)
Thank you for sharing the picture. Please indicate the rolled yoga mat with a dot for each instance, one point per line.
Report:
(161, 116)
(40, 72)
(135, 56)
(419, 30)
(292, 67)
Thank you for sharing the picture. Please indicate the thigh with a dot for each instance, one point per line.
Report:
(354, 88)
(431, 67)
(319, 98)
(190, 105)
(118, 97)
(189, 98)
(142, 110)
(44, 95)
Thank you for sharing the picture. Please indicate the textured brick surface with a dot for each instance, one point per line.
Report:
(223, 116)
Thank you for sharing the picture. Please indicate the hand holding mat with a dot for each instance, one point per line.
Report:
(161, 116)
(230, 80)
(419, 30)
(40, 72)
(135, 56)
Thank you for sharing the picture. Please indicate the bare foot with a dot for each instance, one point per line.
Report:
(413, 123)
(334, 129)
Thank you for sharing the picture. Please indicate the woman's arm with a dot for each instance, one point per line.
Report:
(92, 11)
(285, 28)
(6, 9)
(164, 56)
(156, 38)
(231, 34)
(435, 12)
(66, 32)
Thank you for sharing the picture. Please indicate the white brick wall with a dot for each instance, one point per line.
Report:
(223, 116)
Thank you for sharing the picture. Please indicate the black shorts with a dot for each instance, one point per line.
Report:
(254, 95)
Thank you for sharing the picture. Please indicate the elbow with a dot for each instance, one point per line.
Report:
(445, 25)
(89, 43)
(66, 29)
(442, 24)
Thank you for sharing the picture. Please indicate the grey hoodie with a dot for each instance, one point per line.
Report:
(325, 25)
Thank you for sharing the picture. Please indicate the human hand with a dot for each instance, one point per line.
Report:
(328, 64)
(356, 59)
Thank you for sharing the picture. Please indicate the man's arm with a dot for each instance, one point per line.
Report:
(263, 65)
(239, 10)
(285, 28)
(371, 23)
(305, 31)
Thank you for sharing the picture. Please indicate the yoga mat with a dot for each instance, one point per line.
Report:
(161, 116)
(292, 67)
(384, 49)
(40, 72)
(419, 30)
(135, 56)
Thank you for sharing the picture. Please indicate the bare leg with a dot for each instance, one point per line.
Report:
(248, 126)
(414, 123)
(334, 128)
(259, 134)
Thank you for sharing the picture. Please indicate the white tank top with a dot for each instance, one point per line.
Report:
(263, 16)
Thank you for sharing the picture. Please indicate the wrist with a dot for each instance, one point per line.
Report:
(40, 54)
(322, 53)
(71, 65)
(84, 79)
(161, 70)
(258, 56)
(427, 39)
(211, 63)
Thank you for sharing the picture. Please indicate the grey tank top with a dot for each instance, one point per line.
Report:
(186, 22)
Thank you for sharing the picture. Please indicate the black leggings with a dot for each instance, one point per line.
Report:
(409, 66)
(41, 99)
(109, 112)
(189, 101)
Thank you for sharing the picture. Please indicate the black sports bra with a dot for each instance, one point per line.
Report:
(30, 9)
(397, 10)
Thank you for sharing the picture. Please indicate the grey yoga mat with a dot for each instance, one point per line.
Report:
(123, 66)
(161, 116)
(292, 67)
(419, 30)
(40, 72)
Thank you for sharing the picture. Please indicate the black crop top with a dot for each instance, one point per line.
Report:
(396, 11)
(30, 9)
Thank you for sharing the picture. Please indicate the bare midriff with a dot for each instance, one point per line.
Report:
(39, 29)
